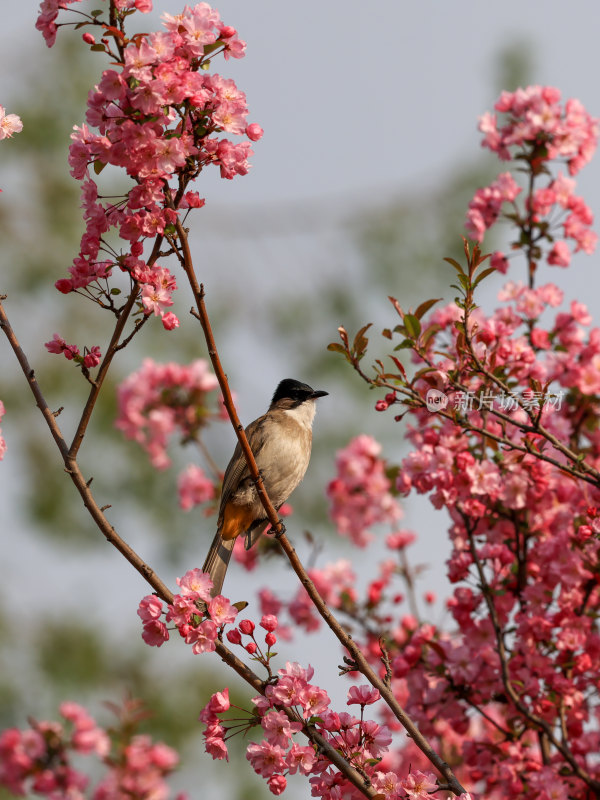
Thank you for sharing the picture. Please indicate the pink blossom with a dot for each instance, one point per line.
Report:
(254, 132)
(221, 611)
(196, 583)
(300, 759)
(202, 637)
(92, 357)
(278, 728)
(269, 622)
(359, 495)
(276, 784)
(194, 487)
(150, 608)
(419, 785)
(266, 759)
(560, 255)
(9, 124)
(313, 699)
(363, 695)
(182, 609)
(246, 626)
(155, 633)
(159, 399)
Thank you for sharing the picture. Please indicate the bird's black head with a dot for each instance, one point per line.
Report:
(290, 389)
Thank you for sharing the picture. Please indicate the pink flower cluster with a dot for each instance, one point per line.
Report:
(39, 760)
(194, 487)
(360, 493)
(536, 120)
(286, 707)
(524, 543)
(335, 583)
(485, 207)
(159, 400)
(91, 356)
(187, 613)
(140, 772)
(158, 115)
(246, 628)
(538, 130)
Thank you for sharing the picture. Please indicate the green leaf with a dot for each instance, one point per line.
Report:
(483, 275)
(464, 281)
(387, 333)
(336, 347)
(99, 48)
(98, 166)
(456, 265)
(240, 605)
(424, 307)
(431, 331)
(413, 326)
(405, 345)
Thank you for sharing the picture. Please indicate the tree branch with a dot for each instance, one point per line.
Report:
(106, 362)
(362, 664)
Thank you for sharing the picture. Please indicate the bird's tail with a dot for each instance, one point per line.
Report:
(217, 561)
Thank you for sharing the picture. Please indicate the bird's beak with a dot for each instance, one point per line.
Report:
(318, 393)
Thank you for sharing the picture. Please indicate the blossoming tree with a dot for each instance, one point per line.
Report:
(501, 414)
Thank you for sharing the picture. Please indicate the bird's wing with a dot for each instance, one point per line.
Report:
(237, 469)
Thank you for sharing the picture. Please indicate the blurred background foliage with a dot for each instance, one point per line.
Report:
(364, 251)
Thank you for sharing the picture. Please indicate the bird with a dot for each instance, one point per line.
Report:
(281, 442)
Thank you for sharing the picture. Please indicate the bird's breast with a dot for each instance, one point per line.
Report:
(282, 450)
(283, 461)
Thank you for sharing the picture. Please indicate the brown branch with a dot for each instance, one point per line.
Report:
(113, 347)
(365, 668)
(202, 316)
(72, 467)
(362, 664)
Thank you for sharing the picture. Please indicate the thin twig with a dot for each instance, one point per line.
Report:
(106, 362)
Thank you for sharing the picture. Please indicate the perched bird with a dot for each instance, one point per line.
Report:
(281, 442)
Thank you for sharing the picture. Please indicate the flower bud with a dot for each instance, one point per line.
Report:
(234, 636)
(246, 626)
(254, 132)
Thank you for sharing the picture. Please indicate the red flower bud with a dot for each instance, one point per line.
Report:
(246, 626)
